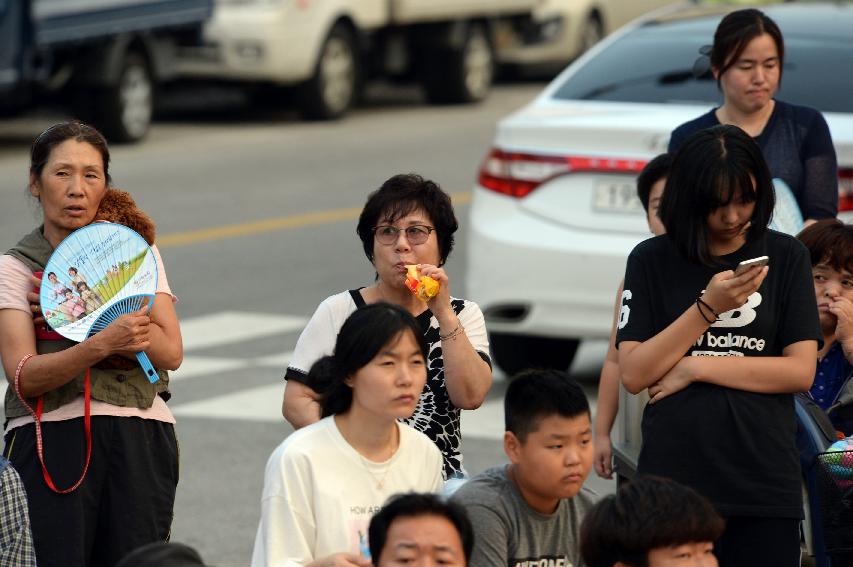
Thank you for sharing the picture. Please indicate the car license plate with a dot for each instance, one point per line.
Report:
(616, 197)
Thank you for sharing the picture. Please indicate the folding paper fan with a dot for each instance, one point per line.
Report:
(97, 274)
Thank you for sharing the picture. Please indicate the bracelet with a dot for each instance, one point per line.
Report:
(18, 371)
(699, 304)
(452, 334)
(711, 309)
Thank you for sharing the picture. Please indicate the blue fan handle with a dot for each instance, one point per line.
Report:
(147, 366)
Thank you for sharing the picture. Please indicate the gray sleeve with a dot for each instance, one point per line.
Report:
(490, 537)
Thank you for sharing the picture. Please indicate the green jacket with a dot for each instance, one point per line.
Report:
(126, 388)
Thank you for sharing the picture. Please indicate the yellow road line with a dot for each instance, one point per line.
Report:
(271, 225)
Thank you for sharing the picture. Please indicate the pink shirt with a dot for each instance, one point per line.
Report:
(14, 285)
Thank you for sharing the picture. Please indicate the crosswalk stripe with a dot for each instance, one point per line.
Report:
(222, 328)
(193, 366)
(263, 403)
(254, 404)
(228, 327)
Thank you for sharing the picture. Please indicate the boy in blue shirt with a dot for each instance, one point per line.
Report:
(830, 245)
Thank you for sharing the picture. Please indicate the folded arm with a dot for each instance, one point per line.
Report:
(301, 405)
(790, 373)
(645, 363)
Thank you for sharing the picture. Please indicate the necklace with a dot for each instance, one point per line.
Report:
(380, 481)
(368, 465)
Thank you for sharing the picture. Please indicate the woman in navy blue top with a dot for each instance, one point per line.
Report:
(747, 60)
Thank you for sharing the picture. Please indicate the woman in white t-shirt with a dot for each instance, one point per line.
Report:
(409, 220)
(325, 481)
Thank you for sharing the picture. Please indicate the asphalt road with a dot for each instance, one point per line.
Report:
(256, 223)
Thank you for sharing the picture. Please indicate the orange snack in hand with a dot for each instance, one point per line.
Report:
(424, 287)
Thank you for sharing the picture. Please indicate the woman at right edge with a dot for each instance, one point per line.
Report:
(721, 354)
(747, 60)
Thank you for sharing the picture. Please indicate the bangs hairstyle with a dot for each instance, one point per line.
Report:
(415, 505)
(830, 242)
(363, 335)
(402, 195)
(534, 395)
(654, 171)
(645, 514)
(708, 171)
(733, 34)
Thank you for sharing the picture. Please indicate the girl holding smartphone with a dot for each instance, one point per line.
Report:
(721, 354)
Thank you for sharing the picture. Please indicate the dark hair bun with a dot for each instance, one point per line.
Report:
(323, 373)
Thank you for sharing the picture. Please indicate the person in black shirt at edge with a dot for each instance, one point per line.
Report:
(720, 354)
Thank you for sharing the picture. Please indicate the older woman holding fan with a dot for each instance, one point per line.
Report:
(104, 481)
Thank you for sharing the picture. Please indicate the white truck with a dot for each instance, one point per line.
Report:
(328, 48)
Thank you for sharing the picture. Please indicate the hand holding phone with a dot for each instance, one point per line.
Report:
(744, 266)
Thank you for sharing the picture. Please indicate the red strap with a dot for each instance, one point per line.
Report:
(87, 420)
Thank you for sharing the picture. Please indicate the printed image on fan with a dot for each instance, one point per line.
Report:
(90, 271)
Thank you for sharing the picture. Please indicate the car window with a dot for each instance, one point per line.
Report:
(655, 63)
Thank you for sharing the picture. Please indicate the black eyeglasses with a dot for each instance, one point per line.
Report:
(415, 234)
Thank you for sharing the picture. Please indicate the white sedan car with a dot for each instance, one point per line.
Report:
(554, 213)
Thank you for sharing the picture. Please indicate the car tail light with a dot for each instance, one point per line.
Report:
(845, 190)
(517, 174)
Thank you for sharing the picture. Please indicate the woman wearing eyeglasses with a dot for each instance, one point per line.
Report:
(409, 220)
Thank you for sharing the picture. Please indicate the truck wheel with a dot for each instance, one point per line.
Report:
(123, 111)
(331, 92)
(513, 353)
(461, 75)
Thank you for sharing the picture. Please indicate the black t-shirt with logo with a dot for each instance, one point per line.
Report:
(735, 447)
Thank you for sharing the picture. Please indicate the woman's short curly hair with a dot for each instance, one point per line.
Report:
(401, 195)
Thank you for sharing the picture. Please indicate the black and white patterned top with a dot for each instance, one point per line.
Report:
(435, 415)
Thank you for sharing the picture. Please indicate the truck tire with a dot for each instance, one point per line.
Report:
(333, 89)
(123, 111)
(461, 75)
(513, 353)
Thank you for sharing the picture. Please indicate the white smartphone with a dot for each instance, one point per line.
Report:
(761, 261)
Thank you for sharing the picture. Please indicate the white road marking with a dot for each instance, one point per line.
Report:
(228, 327)
(263, 403)
(193, 366)
(255, 404)
(206, 365)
